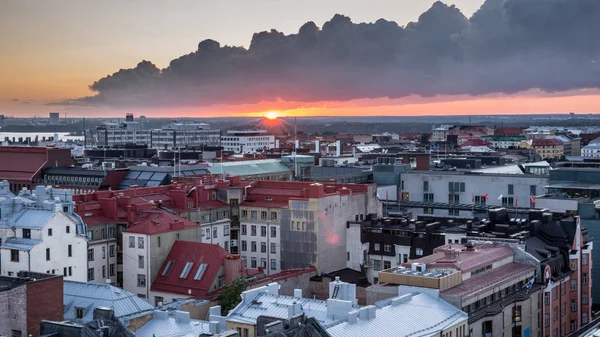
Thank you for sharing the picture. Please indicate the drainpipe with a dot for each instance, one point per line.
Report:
(246, 191)
(28, 260)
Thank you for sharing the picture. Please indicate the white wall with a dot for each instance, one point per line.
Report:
(222, 228)
(130, 264)
(248, 254)
(103, 261)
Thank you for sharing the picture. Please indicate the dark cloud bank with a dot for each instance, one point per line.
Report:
(506, 47)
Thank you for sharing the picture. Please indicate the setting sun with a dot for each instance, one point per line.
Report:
(271, 115)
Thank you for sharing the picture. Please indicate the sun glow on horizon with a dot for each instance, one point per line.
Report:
(271, 115)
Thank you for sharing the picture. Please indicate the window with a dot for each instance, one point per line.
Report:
(273, 215)
(158, 241)
(584, 278)
(141, 280)
(70, 271)
(273, 248)
(140, 242)
(79, 313)
(376, 247)
(103, 272)
(90, 274)
(546, 298)
(49, 231)
(200, 272)
(273, 232)
(425, 186)
(64, 271)
(253, 246)
(69, 250)
(563, 288)
(375, 280)
(221, 281)
(584, 318)
(546, 320)
(47, 254)
(376, 265)
(511, 189)
(91, 254)
(273, 264)
(573, 306)
(573, 285)
(253, 262)
(453, 212)
(226, 230)
(507, 202)
(427, 210)
(14, 255)
(263, 247)
(215, 232)
(140, 261)
(158, 300)
(573, 265)
(555, 314)
(244, 245)
(244, 230)
(131, 242)
(244, 214)
(103, 252)
(111, 250)
(404, 258)
(253, 230)
(419, 251)
(263, 215)
(532, 190)
(263, 231)
(585, 298)
(387, 264)
(111, 269)
(573, 325)
(26, 233)
(454, 199)
(563, 310)
(207, 233)
(427, 197)
(263, 262)
(584, 259)
(253, 215)
(387, 248)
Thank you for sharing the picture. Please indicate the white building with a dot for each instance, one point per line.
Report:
(592, 150)
(40, 232)
(436, 191)
(440, 133)
(247, 141)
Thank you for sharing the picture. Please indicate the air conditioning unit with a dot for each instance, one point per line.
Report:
(419, 267)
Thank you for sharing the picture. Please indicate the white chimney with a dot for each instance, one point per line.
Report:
(276, 143)
(352, 317)
(214, 327)
(317, 146)
(298, 293)
(297, 145)
(338, 148)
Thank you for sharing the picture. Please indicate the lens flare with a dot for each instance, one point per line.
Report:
(271, 115)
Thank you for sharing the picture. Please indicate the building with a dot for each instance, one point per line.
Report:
(81, 299)
(179, 323)
(265, 169)
(410, 314)
(26, 299)
(31, 162)
(53, 118)
(247, 141)
(193, 270)
(289, 225)
(320, 283)
(41, 233)
(548, 147)
(298, 326)
(104, 324)
(171, 136)
(82, 180)
(505, 142)
(484, 280)
(460, 193)
(591, 150)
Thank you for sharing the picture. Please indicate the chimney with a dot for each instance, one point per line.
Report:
(354, 151)
(214, 327)
(102, 313)
(182, 317)
(161, 314)
(298, 293)
(352, 317)
(338, 148)
(317, 146)
(130, 214)
(367, 313)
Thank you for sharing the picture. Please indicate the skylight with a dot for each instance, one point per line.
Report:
(168, 268)
(200, 272)
(186, 270)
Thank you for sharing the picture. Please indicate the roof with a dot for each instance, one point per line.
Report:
(158, 221)
(511, 169)
(164, 325)
(421, 315)
(143, 179)
(202, 262)
(546, 142)
(31, 218)
(465, 260)
(90, 296)
(212, 204)
(31, 160)
(250, 167)
(78, 171)
(19, 243)
(475, 142)
(489, 279)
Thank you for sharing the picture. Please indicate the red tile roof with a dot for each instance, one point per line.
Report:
(475, 142)
(546, 142)
(25, 163)
(208, 256)
(213, 204)
(158, 221)
(508, 131)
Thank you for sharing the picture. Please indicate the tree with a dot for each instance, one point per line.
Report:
(231, 295)
(424, 139)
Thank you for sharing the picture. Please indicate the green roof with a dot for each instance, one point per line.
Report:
(250, 167)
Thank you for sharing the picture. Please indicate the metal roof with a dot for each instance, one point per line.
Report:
(250, 167)
(89, 296)
(31, 218)
(19, 243)
(421, 315)
(164, 325)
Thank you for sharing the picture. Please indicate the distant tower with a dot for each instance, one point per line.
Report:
(129, 117)
(571, 115)
(54, 118)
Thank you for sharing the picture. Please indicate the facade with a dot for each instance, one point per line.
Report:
(247, 141)
(31, 161)
(591, 150)
(289, 225)
(172, 136)
(266, 169)
(505, 142)
(460, 193)
(26, 299)
(548, 147)
(41, 233)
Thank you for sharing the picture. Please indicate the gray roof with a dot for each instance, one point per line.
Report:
(31, 218)
(420, 315)
(250, 167)
(19, 243)
(273, 305)
(164, 325)
(89, 296)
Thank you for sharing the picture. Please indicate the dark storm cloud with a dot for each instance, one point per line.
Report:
(507, 46)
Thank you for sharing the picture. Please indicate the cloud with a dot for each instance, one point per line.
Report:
(25, 102)
(15, 99)
(507, 46)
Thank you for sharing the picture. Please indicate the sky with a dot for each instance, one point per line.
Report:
(52, 51)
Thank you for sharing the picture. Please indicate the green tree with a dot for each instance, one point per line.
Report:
(230, 295)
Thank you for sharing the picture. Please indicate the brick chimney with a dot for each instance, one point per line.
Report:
(233, 268)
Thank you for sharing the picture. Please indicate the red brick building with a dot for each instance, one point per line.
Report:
(28, 299)
(22, 166)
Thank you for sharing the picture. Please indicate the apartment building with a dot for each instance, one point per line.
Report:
(39, 232)
(247, 141)
(548, 147)
(285, 225)
(460, 193)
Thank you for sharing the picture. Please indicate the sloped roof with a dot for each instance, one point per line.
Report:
(91, 295)
(158, 221)
(164, 325)
(31, 218)
(546, 142)
(31, 160)
(250, 167)
(19, 243)
(202, 262)
(421, 315)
